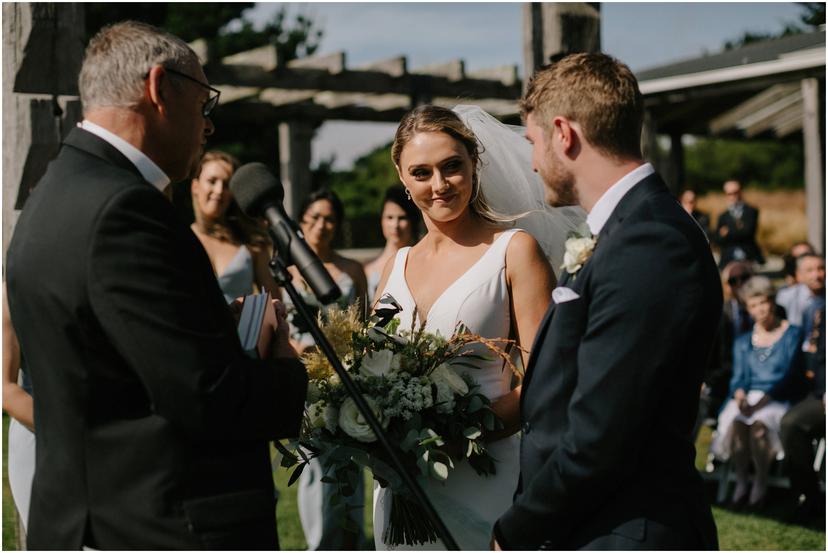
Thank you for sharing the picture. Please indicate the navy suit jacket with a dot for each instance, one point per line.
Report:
(612, 387)
(152, 426)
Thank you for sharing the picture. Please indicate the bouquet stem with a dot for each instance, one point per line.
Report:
(408, 524)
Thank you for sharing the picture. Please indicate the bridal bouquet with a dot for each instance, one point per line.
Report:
(433, 417)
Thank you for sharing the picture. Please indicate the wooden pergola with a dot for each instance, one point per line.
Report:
(294, 98)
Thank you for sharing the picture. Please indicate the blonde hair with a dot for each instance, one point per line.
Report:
(234, 226)
(598, 92)
(430, 118)
(757, 286)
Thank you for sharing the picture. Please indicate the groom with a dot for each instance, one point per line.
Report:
(611, 389)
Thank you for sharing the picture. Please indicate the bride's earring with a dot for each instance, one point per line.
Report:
(408, 194)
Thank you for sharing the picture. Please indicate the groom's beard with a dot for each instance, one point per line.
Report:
(559, 183)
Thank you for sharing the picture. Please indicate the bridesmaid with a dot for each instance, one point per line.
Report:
(400, 222)
(238, 250)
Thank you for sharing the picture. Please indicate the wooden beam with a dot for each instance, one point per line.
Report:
(395, 67)
(263, 57)
(731, 118)
(371, 82)
(506, 74)
(276, 97)
(230, 94)
(784, 115)
(332, 63)
(454, 70)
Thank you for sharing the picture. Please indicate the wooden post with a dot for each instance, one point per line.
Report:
(294, 163)
(554, 28)
(813, 137)
(42, 55)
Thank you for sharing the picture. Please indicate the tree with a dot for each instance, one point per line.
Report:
(757, 163)
(813, 16)
(212, 21)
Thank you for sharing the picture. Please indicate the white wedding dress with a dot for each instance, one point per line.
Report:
(469, 504)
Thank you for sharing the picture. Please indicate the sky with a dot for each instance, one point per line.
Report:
(643, 35)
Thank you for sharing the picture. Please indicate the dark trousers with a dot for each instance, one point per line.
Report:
(803, 423)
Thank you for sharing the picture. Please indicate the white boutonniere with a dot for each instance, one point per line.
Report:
(579, 247)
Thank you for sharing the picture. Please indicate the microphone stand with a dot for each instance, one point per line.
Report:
(278, 268)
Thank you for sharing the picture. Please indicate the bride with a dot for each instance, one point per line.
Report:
(473, 267)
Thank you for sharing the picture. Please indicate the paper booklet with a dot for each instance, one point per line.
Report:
(255, 324)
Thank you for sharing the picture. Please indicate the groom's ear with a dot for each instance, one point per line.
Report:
(565, 135)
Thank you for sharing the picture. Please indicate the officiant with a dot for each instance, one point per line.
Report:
(152, 424)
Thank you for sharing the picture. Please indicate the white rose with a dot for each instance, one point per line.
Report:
(316, 415)
(577, 252)
(443, 373)
(353, 423)
(380, 363)
(330, 416)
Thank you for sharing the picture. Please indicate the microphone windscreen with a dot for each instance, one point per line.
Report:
(254, 185)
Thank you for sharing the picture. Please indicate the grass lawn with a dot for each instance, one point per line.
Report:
(737, 531)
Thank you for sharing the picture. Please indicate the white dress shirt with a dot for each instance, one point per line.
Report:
(606, 204)
(148, 169)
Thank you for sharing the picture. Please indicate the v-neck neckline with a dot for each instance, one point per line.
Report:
(230, 263)
(417, 312)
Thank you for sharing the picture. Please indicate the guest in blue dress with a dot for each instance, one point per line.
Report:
(238, 248)
(767, 376)
(324, 520)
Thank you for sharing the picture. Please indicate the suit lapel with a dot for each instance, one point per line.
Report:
(542, 328)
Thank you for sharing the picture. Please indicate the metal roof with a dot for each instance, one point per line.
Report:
(767, 50)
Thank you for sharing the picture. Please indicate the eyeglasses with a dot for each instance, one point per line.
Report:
(211, 102)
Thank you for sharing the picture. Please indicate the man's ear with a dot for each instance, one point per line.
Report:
(156, 88)
(565, 134)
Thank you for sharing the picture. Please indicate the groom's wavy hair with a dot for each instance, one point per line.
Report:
(430, 118)
(595, 90)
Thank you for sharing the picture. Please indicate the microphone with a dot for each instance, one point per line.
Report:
(259, 194)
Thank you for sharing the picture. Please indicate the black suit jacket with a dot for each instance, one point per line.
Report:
(612, 388)
(152, 425)
(741, 234)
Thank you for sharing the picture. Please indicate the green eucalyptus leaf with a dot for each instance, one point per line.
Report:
(475, 404)
(296, 473)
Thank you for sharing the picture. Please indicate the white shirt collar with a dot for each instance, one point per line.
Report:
(148, 169)
(606, 204)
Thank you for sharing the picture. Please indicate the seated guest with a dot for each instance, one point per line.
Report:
(238, 250)
(809, 285)
(688, 202)
(400, 223)
(766, 366)
(804, 423)
(811, 271)
(735, 321)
